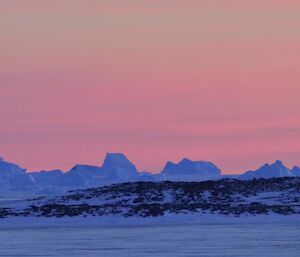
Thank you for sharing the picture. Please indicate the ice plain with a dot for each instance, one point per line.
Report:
(176, 240)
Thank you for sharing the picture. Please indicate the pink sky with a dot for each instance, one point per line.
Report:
(157, 80)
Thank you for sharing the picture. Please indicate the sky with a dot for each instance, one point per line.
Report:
(157, 80)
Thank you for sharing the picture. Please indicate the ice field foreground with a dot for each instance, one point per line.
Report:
(230, 200)
(213, 240)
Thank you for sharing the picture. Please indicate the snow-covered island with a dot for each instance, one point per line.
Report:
(153, 199)
(117, 189)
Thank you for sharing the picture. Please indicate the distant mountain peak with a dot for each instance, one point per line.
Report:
(185, 160)
(187, 169)
(10, 168)
(296, 171)
(56, 171)
(277, 163)
(116, 165)
(82, 168)
(276, 169)
(116, 158)
(117, 168)
(280, 166)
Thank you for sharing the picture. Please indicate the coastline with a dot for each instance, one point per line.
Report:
(166, 220)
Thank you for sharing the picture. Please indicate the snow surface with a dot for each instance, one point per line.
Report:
(168, 219)
(189, 240)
